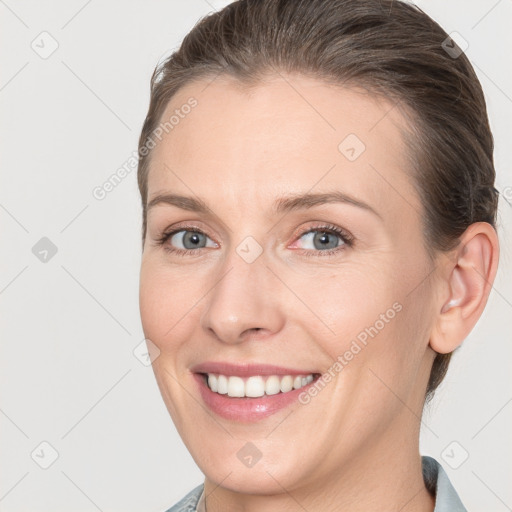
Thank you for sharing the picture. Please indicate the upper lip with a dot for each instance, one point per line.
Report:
(246, 369)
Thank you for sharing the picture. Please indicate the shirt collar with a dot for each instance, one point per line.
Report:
(438, 483)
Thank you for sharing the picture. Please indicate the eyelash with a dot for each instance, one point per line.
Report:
(347, 238)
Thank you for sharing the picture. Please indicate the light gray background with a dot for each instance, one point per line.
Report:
(69, 326)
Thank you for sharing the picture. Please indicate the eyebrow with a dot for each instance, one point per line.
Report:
(281, 205)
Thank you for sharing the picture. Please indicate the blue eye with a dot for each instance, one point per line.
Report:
(325, 240)
(189, 239)
(322, 239)
(185, 241)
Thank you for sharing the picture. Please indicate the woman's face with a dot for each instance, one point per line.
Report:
(307, 258)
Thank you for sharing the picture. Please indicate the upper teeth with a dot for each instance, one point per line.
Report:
(257, 385)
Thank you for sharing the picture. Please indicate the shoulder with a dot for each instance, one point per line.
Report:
(189, 502)
(438, 483)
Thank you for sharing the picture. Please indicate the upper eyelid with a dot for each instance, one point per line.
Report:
(303, 231)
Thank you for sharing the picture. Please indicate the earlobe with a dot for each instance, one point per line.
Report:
(469, 281)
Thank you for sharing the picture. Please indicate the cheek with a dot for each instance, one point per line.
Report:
(170, 302)
(151, 298)
(373, 320)
(348, 302)
(162, 302)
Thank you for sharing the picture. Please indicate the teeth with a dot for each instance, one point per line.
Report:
(222, 385)
(273, 385)
(236, 387)
(287, 383)
(257, 385)
(213, 383)
(254, 387)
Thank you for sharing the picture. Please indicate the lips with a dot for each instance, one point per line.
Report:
(250, 392)
(248, 370)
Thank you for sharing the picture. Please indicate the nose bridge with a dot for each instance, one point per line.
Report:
(241, 298)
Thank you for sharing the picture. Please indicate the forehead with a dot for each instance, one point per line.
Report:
(289, 133)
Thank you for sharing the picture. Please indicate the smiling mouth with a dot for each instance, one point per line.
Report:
(257, 385)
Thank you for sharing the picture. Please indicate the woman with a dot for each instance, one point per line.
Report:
(319, 212)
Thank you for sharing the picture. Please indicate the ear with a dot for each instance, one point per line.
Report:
(468, 282)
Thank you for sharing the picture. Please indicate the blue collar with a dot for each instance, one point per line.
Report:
(438, 483)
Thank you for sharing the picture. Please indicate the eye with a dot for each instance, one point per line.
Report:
(185, 241)
(327, 239)
(324, 240)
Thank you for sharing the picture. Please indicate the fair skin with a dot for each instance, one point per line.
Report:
(354, 446)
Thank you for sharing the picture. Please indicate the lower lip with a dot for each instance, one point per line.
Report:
(247, 410)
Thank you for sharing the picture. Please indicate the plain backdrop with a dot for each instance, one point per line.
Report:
(74, 396)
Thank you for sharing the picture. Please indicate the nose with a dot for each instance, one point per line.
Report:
(243, 302)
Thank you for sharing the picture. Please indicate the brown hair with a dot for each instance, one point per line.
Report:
(388, 47)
